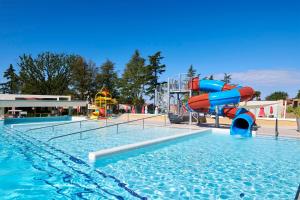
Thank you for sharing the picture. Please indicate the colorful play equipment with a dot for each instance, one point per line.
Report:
(222, 99)
(103, 104)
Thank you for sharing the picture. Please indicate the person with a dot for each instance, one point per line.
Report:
(156, 110)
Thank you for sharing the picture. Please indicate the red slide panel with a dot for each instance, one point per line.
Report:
(228, 87)
(230, 112)
(199, 103)
(194, 84)
(246, 93)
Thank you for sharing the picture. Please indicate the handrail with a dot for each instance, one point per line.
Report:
(107, 126)
(61, 124)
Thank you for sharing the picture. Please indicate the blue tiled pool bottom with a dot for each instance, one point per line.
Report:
(211, 166)
(31, 169)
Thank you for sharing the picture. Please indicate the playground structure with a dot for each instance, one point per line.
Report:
(170, 97)
(103, 103)
(176, 98)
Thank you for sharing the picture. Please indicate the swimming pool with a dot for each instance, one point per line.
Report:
(31, 169)
(211, 166)
(97, 139)
(203, 166)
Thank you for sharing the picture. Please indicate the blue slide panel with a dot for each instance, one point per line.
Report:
(211, 85)
(225, 97)
(242, 125)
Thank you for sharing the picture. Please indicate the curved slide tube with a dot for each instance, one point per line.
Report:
(223, 95)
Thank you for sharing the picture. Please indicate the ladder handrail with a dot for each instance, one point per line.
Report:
(107, 126)
(61, 124)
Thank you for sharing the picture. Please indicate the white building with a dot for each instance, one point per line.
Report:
(32, 103)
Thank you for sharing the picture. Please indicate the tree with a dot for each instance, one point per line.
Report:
(298, 95)
(211, 77)
(257, 95)
(133, 80)
(12, 84)
(154, 70)
(191, 72)
(227, 78)
(279, 95)
(48, 73)
(83, 76)
(3, 88)
(108, 77)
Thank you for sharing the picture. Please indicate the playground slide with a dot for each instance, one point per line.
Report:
(221, 94)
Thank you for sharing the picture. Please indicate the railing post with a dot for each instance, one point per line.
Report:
(217, 125)
(276, 128)
(143, 123)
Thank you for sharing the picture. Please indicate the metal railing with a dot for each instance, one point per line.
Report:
(52, 126)
(276, 128)
(107, 126)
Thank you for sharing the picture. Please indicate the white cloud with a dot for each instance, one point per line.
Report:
(268, 80)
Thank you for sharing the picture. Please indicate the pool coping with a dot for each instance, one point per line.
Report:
(92, 156)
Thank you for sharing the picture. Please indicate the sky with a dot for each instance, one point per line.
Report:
(258, 42)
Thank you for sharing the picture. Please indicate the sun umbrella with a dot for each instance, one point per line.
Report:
(261, 112)
(271, 110)
(143, 110)
(133, 110)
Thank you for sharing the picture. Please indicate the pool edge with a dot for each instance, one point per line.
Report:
(92, 156)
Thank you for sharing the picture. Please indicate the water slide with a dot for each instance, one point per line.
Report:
(225, 96)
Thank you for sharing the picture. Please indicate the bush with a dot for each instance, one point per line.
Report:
(297, 111)
(290, 109)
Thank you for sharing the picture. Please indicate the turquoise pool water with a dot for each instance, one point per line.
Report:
(97, 139)
(211, 166)
(205, 166)
(31, 169)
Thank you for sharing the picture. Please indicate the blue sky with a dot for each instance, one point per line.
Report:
(258, 42)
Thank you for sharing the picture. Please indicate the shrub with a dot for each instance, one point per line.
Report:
(289, 109)
(297, 111)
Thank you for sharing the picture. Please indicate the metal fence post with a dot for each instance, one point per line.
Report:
(276, 128)
(143, 124)
(217, 124)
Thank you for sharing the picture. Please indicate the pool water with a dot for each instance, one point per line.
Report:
(31, 169)
(98, 139)
(202, 166)
(211, 166)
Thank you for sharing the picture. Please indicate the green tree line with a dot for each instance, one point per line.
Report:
(64, 74)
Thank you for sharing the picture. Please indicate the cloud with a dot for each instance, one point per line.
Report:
(268, 80)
